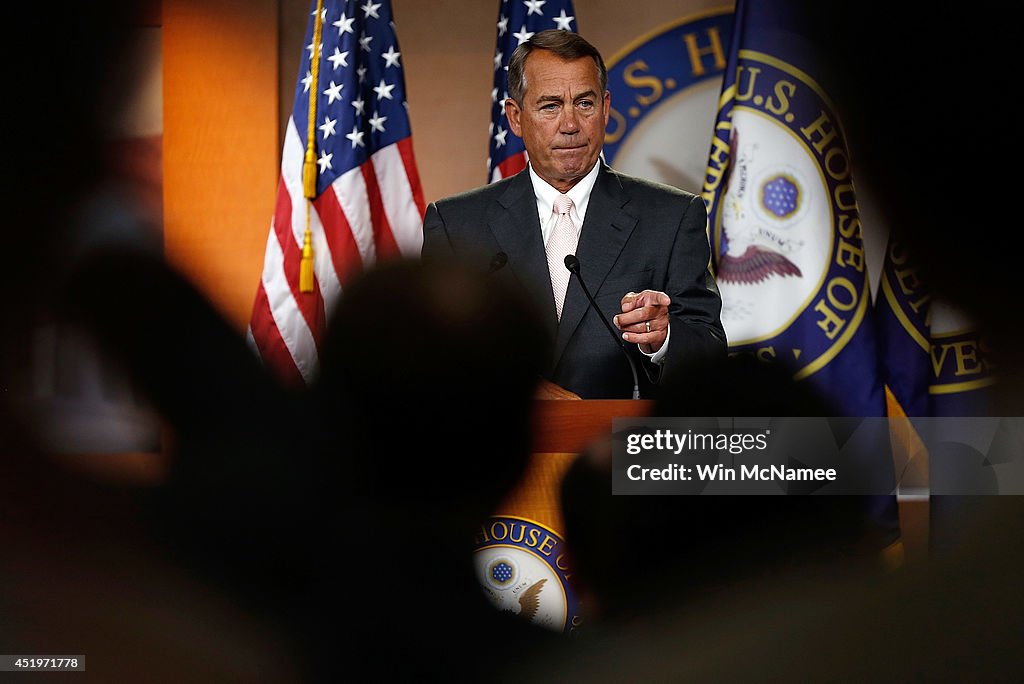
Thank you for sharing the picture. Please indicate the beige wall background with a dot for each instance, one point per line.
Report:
(221, 145)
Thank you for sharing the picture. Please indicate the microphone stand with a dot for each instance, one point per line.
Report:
(573, 264)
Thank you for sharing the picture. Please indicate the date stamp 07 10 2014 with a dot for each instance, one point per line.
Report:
(42, 663)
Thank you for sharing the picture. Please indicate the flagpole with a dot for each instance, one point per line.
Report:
(309, 165)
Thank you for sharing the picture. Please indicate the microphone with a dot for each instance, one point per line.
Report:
(573, 264)
(498, 262)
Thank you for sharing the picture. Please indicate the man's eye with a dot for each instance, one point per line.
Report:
(549, 107)
(585, 104)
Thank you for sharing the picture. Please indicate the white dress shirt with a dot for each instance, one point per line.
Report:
(580, 196)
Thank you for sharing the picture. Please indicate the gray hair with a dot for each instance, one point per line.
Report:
(566, 45)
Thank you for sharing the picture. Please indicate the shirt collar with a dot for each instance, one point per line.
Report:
(579, 193)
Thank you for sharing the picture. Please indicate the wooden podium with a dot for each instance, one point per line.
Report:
(562, 429)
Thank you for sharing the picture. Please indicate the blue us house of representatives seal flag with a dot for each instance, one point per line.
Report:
(783, 213)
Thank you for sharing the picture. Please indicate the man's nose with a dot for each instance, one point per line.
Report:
(570, 121)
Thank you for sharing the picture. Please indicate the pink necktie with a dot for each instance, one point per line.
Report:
(561, 242)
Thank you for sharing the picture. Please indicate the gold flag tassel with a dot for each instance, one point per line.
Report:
(306, 264)
(309, 164)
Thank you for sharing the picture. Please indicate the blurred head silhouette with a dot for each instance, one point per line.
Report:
(53, 171)
(926, 135)
(428, 373)
(634, 554)
(430, 369)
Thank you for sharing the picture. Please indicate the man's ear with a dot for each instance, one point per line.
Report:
(512, 113)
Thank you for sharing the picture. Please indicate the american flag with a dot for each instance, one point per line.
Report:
(369, 202)
(518, 20)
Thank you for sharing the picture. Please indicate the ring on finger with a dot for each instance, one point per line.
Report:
(648, 324)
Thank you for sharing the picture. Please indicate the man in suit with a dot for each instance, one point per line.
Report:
(642, 247)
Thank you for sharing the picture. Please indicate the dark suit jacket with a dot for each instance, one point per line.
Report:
(636, 235)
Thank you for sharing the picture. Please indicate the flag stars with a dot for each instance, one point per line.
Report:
(328, 127)
(377, 122)
(364, 42)
(359, 105)
(333, 93)
(391, 57)
(497, 57)
(312, 47)
(502, 26)
(523, 35)
(344, 24)
(499, 137)
(534, 6)
(494, 95)
(325, 161)
(307, 81)
(384, 90)
(356, 136)
(361, 72)
(339, 58)
(564, 22)
(370, 10)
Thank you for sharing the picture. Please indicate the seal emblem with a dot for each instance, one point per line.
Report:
(522, 568)
(784, 218)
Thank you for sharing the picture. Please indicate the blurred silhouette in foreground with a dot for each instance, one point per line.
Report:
(295, 536)
(326, 508)
(427, 378)
(951, 621)
(927, 161)
(638, 555)
(84, 570)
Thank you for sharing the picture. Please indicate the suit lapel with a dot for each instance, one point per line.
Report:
(606, 229)
(515, 224)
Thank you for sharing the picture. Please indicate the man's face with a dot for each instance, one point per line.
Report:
(563, 117)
